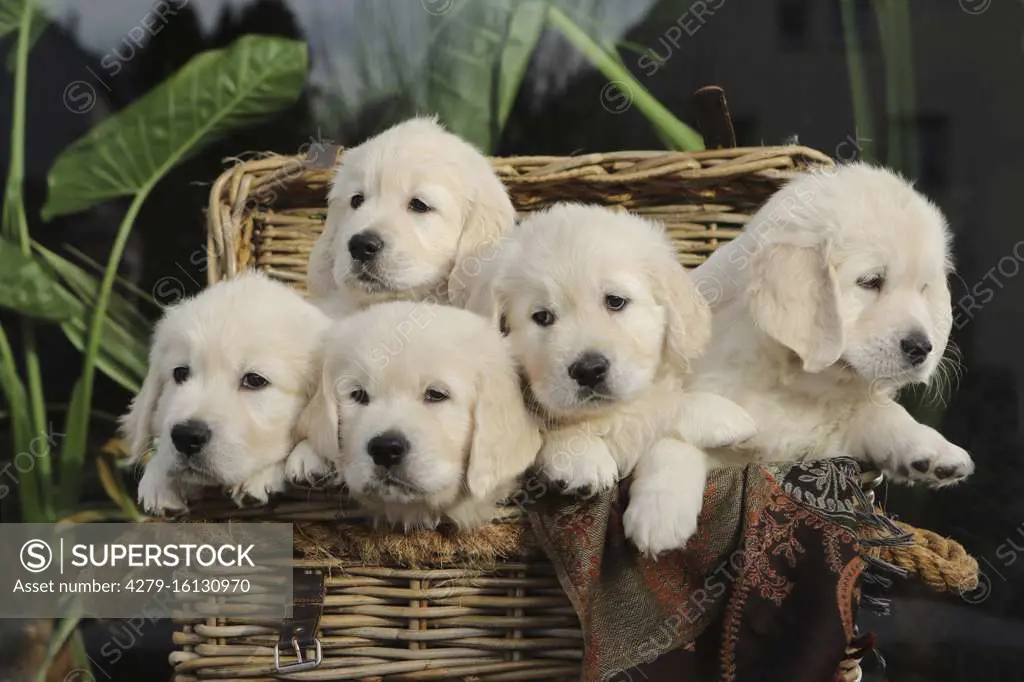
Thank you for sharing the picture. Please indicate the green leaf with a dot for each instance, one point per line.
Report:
(478, 54)
(27, 289)
(214, 93)
(14, 391)
(72, 455)
(124, 346)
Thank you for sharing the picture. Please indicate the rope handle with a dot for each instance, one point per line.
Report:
(939, 562)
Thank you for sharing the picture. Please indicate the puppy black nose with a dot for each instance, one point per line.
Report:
(388, 448)
(589, 369)
(916, 348)
(190, 436)
(365, 246)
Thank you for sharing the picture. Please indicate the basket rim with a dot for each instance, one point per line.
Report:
(231, 194)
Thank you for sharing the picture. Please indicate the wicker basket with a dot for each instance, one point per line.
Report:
(497, 618)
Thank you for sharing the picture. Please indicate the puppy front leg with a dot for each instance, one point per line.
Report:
(707, 420)
(305, 465)
(261, 485)
(578, 461)
(665, 497)
(158, 492)
(887, 436)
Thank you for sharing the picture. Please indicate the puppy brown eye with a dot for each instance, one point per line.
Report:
(544, 318)
(357, 200)
(873, 282)
(435, 395)
(418, 206)
(360, 396)
(180, 374)
(615, 303)
(254, 382)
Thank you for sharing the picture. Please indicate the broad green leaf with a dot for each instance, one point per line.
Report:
(26, 288)
(126, 330)
(478, 53)
(214, 93)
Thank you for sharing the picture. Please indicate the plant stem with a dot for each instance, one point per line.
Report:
(72, 458)
(858, 82)
(681, 135)
(37, 482)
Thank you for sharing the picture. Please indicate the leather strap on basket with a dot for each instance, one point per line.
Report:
(298, 634)
(713, 118)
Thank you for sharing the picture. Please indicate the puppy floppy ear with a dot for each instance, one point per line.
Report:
(319, 270)
(137, 424)
(318, 422)
(490, 215)
(688, 315)
(486, 294)
(505, 438)
(793, 297)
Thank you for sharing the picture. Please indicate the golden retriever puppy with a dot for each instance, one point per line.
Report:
(604, 324)
(230, 371)
(421, 406)
(408, 212)
(833, 298)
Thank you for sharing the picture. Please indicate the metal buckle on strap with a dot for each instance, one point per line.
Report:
(300, 663)
(298, 633)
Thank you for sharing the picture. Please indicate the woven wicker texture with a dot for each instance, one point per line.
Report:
(494, 616)
(508, 621)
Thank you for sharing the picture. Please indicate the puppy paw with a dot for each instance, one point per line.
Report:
(260, 486)
(582, 471)
(304, 465)
(158, 497)
(931, 460)
(660, 521)
(707, 420)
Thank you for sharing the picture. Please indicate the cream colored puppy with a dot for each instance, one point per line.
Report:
(408, 212)
(604, 324)
(421, 406)
(833, 298)
(230, 371)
